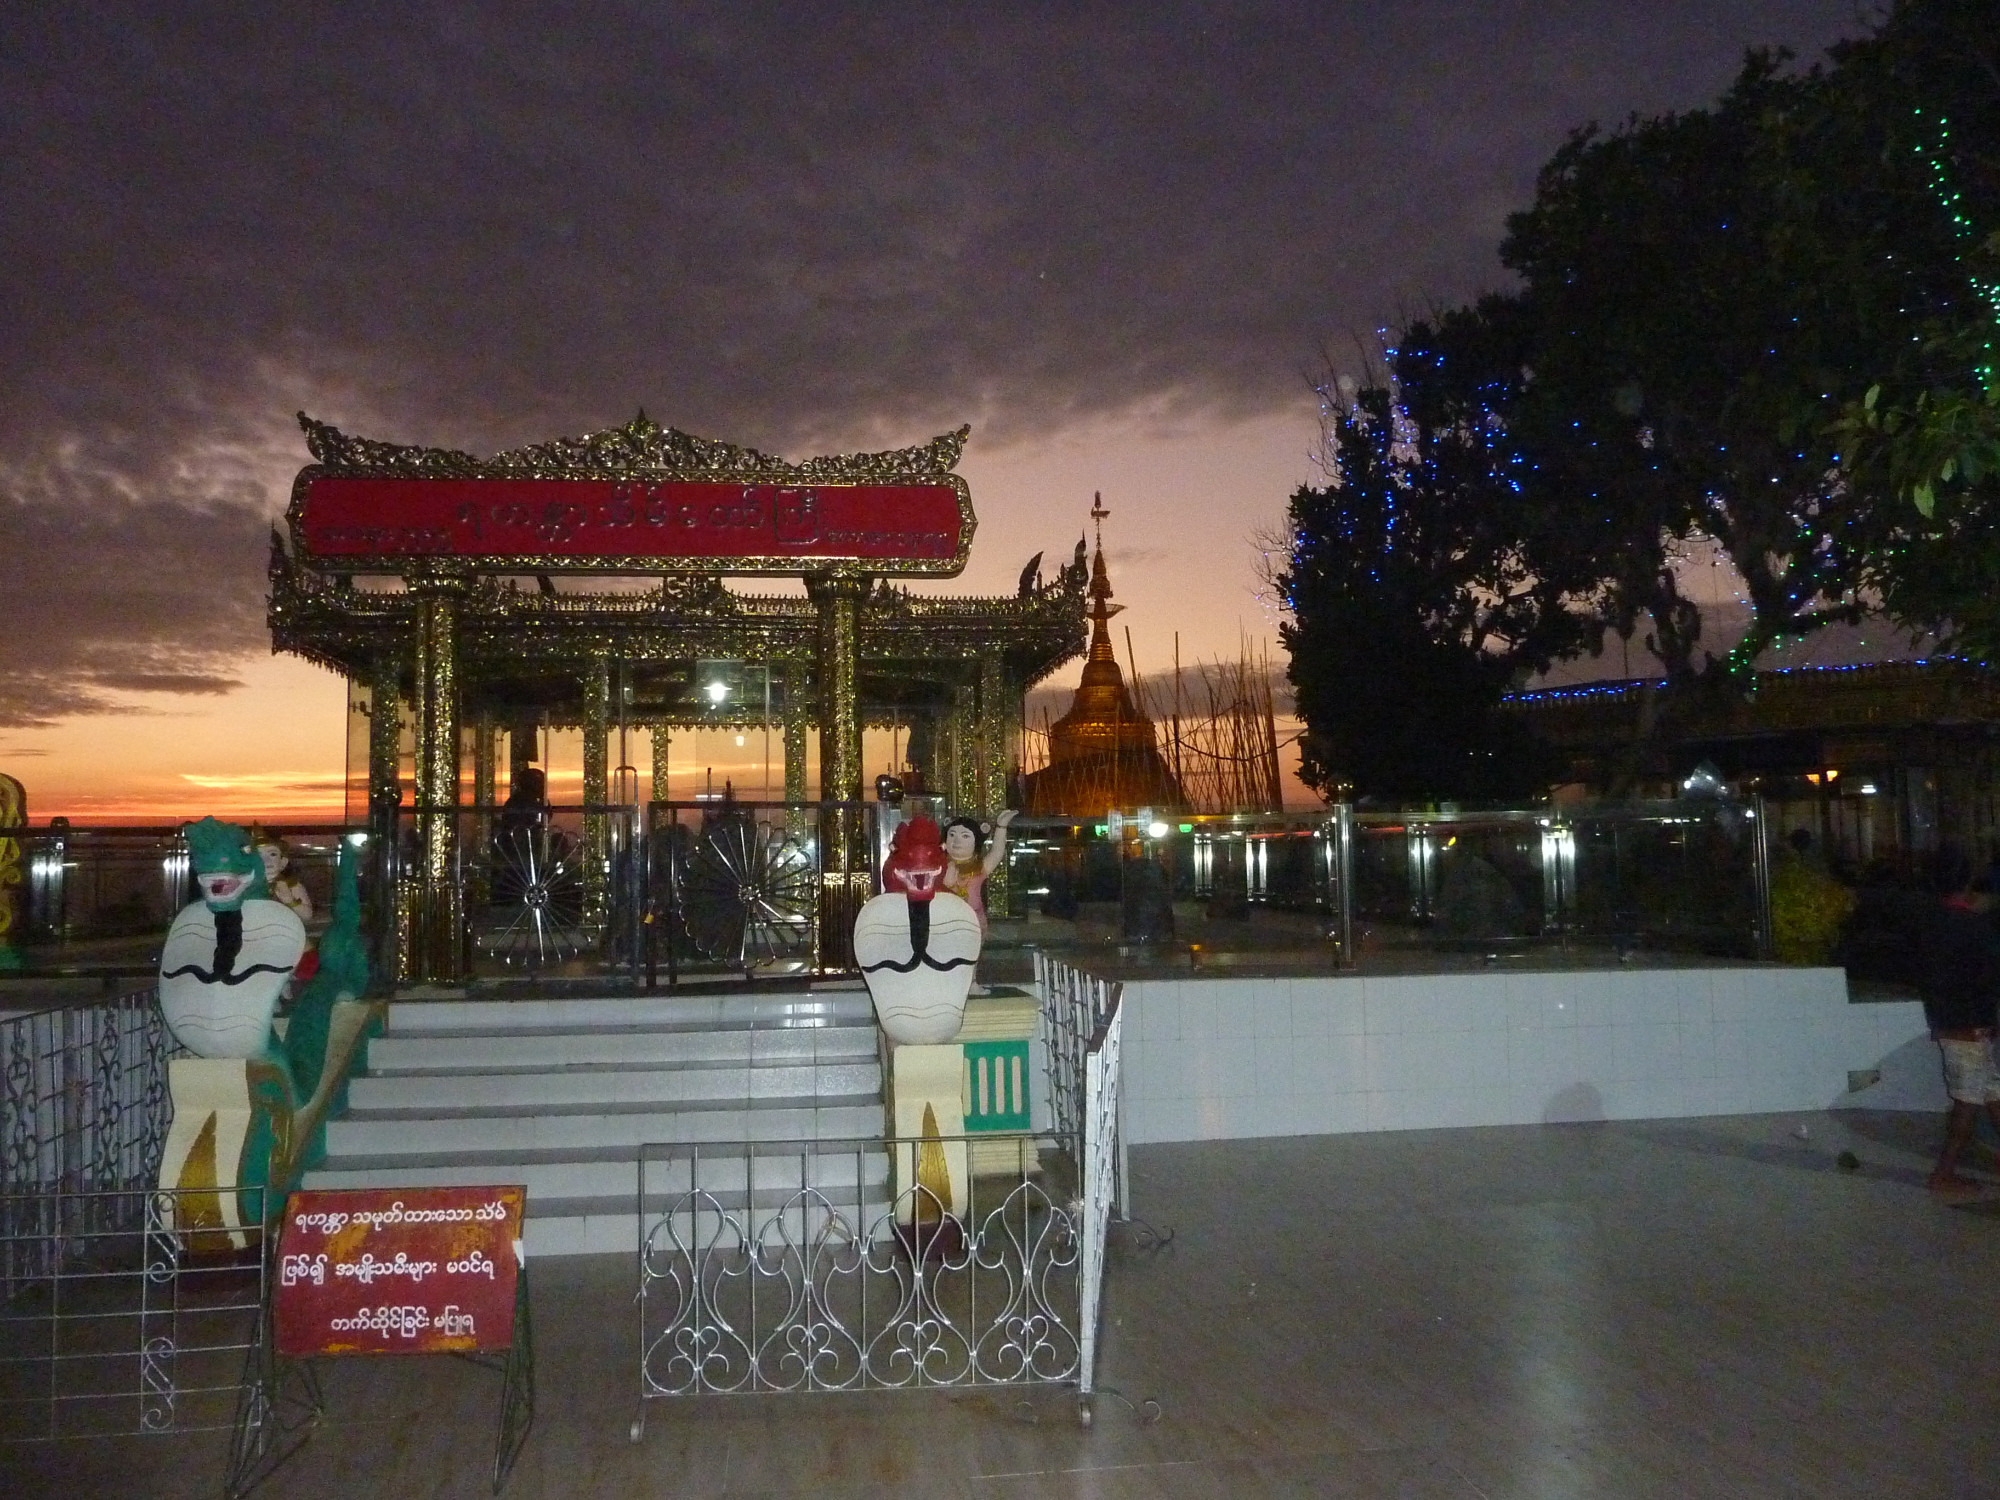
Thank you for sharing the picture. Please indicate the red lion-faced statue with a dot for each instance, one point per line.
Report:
(917, 861)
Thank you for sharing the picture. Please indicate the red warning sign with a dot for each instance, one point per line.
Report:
(398, 1271)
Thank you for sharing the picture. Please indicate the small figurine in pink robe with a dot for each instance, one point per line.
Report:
(966, 877)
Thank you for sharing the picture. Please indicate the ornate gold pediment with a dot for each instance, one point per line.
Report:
(641, 446)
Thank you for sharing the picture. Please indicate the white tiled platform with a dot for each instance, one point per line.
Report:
(1214, 1059)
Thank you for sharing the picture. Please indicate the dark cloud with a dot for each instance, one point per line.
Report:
(121, 596)
(797, 226)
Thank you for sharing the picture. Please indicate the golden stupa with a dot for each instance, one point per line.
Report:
(1102, 753)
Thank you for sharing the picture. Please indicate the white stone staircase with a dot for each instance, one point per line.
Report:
(559, 1094)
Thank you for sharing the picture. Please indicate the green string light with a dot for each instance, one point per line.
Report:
(1949, 200)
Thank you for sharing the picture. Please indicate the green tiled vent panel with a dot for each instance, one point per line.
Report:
(996, 1085)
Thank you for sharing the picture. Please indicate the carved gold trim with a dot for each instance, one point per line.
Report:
(689, 616)
(640, 446)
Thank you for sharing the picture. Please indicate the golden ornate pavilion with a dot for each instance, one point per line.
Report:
(477, 650)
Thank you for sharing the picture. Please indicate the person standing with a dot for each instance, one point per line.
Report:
(1959, 977)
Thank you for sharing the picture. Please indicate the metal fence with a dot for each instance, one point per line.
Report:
(545, 891)
(808, 1266)
(1687, 875)
(735, 887)
(101, 898)
(796, 1266)
(1060, 866)
(1106, 1175)
(119, 1326)
(643, 895)
(1077, 1008)
(84, 1115)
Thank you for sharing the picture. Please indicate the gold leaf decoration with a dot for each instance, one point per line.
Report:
(640, 446)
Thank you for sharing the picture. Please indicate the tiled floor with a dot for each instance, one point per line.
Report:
(1685, 1308)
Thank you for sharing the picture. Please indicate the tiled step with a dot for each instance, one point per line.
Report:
(561, 1095)
(583, 1132)
(514, 1051)
(430, 1094)
(550, 1183)
(610, 1227)
(774, 1009)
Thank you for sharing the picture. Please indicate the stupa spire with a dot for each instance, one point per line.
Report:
(1101, 607)
(1102, 753)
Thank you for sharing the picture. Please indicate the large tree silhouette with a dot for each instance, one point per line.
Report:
(1416, 599)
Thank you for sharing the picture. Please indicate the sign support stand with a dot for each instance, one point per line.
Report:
(424, 1245)
(517, 1386)
(277, 1409)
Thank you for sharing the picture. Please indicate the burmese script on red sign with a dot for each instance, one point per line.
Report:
(398, 1271)
(355, 519)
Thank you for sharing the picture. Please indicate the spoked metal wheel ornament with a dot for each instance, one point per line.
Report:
(746, 896)
(536, 921)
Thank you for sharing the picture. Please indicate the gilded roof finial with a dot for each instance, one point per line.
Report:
(1101, 609)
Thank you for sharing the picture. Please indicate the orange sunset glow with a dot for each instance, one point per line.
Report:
(1188, 498)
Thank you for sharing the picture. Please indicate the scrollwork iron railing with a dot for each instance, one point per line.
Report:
(799, 1266)
(794, 1267)
(1106, 1177)
(119, 1328)
(84, 1114)
(1077, 1009)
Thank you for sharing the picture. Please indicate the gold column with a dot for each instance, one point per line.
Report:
(797, 715)
(485, 776)
(998, 709)
(385, 796)
(845, 881)
(662, 744)
(596, 792)
(962, 780)
(385, 740)
(485, 755)
(430, 895)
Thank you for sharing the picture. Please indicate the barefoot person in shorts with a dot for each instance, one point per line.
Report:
(1959, 969)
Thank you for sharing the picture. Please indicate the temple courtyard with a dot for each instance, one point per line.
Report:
(1685, 1308)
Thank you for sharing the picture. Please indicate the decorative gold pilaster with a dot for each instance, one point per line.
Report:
(385, 799)
(961, 783)
(662, 746)
(385, 738)
(485, 758)
(845, 880)
(430, 897)
(997, 709)
(838, 650)
(797, 716)
(596, 791)
(485, 774)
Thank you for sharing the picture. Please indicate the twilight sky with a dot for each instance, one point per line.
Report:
(1115, 238)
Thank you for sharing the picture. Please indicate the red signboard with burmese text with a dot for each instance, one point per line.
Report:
(398, 1271)
(358, 524)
